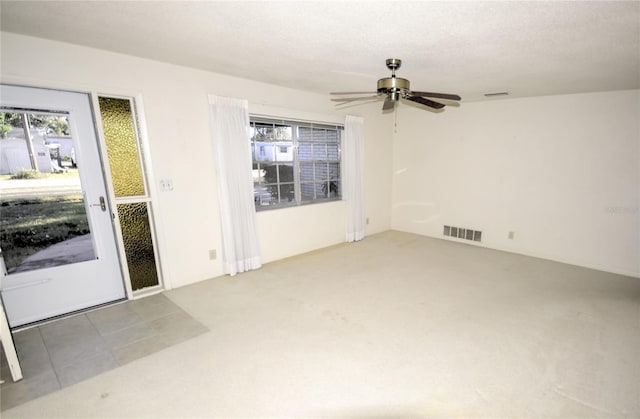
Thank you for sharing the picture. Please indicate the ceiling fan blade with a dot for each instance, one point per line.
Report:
(388, 104)
(426, 102)
(353, 99)
(345, 105)
(437, 95)
(353, 93)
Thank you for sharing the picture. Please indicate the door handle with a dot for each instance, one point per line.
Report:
(102, 204)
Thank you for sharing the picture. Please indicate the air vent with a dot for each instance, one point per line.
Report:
(463, 233)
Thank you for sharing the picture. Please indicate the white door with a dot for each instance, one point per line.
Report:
(58, 243)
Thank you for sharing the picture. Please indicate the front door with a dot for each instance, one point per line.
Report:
(59, 252)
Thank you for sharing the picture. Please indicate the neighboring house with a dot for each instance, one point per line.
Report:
(66, 144)
(14, 156)
(273, 151)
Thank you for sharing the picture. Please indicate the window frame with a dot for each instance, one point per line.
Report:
(295, 142)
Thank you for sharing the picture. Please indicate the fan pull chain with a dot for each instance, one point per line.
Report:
(395, 120)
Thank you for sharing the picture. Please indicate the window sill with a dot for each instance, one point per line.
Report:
(268, 208)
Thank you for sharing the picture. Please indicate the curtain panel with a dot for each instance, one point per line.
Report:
(232, 148)
(353, 166)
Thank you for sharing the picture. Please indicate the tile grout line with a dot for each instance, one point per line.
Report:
(46, 348)
(104, 342)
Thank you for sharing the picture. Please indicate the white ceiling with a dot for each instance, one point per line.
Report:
(468, 48)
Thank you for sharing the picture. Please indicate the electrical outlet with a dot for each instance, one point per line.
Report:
(212, 254)
(367, 220)
(512, 234)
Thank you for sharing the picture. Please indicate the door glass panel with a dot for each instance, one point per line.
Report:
(43, 218)
(122, 146)
(132, 201)
(138, 244)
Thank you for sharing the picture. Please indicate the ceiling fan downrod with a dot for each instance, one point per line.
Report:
(393, 64)
(394, 87)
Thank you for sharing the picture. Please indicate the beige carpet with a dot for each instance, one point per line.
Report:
(397, 325)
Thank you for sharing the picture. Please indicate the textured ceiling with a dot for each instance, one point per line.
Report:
(468, 48)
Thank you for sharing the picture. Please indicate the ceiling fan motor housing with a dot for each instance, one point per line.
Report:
(393, 85)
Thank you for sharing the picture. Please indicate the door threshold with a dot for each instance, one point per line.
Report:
(66, 315)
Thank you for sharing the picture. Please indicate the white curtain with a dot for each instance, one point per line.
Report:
(353, 172)
(230, 127)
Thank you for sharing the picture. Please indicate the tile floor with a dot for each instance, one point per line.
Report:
(59, 354)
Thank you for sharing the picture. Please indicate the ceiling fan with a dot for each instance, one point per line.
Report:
(395, 88)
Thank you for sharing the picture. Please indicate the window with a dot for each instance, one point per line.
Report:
(294, 163)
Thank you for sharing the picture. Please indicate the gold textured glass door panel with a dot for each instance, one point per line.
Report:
(138, 244)
(133, 202)
(122, 146)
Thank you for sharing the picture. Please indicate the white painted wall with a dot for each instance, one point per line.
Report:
(562, 172)
(177, 121)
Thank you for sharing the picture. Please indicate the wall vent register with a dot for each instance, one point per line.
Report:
(463, 233)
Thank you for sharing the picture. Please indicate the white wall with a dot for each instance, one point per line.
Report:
(561, 172)
(177, 121)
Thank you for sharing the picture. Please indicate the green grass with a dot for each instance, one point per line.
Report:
(70, 173)
(30, 225)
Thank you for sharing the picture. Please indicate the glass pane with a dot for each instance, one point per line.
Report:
(322, 172)
(283, 152)
(122, 146)
(268, 173)
(287, 193)
(334, 170)
(308, 191)
(264, 152)
(286, 172)
(305, 151)
(305, 134)
(332, 152)
(306, 171)
(257, 173)
(331, 189)
(138, 245)
(333, 136)
(270, 133)
(312, 134)
(319, 152)
(318, 190)
(43, 219)
(264, 195)
(321, 189)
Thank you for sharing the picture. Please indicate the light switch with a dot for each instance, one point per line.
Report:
(166, 184)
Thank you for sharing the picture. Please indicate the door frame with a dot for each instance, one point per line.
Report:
(146, 164)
